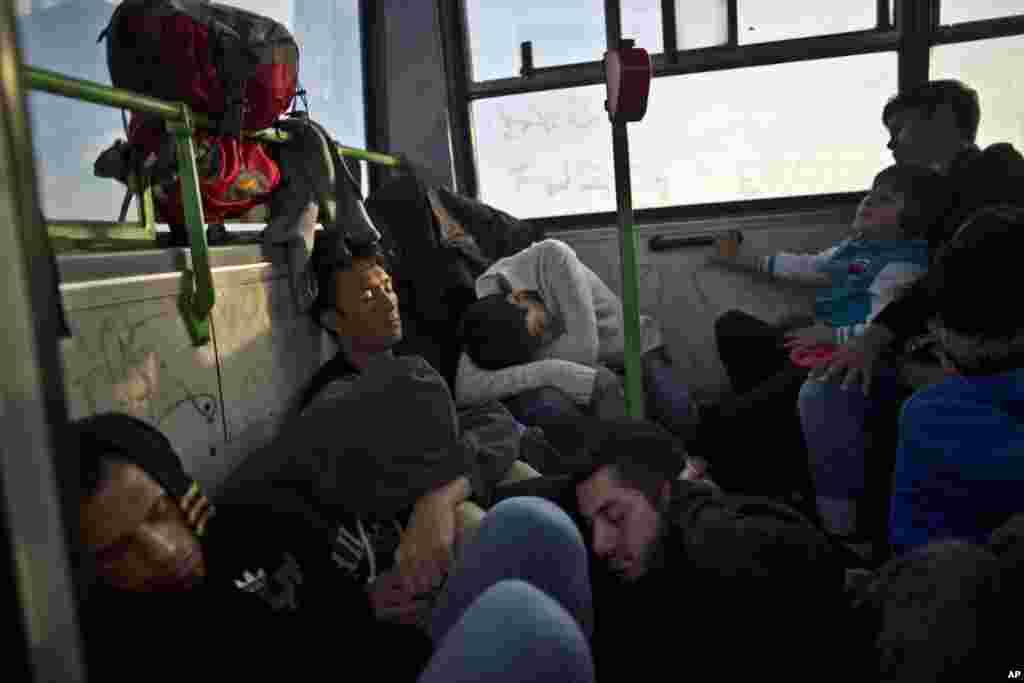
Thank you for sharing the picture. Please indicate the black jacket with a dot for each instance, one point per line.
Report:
(742, 582)
(979, 179)
(273, 604)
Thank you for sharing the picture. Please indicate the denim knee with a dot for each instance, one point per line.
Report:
(513, 632)
(535, 518)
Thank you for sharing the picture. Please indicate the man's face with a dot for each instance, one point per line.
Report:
(536, 313)
(138, 534)
(878, 215)
(921, 140)
(367, 305)
(627, 529)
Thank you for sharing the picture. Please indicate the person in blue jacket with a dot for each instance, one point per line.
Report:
(960, 461)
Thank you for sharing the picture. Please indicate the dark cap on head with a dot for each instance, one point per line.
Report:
(119, 437)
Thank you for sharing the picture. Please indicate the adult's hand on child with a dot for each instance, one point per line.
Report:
(855, 360)
(426, 551)
(393, 603)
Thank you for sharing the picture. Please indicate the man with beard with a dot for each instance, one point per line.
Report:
(691, 571)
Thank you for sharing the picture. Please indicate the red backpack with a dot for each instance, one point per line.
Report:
(234, 175)
(238, 67)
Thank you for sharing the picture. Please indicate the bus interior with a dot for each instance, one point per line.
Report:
(766, 124)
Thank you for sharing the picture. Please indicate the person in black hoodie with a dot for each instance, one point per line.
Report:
(248, 591)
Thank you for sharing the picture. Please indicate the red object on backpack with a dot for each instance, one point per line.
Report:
(234, 175)
(235, 66)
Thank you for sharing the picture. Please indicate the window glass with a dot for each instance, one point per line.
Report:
(762, 22)
(69, 135)
(701, 23)
(993, 68)
(802, 128)
(957, 11)
(562, 32)
(546, 153)
(641, 21)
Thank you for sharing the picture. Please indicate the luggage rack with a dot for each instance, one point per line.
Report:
(198, 297)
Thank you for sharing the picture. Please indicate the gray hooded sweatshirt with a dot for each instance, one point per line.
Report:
(585, 326)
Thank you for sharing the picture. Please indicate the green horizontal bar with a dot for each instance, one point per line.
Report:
(64, 245)
(271, 135)
(98, 93)
(98, 229)
(372, 157)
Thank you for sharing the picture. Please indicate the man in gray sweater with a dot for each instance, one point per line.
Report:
(544, 319)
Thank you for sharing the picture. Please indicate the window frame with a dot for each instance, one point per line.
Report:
(913, 30)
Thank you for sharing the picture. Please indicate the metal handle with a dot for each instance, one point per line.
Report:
(662, 243)
(526, 51)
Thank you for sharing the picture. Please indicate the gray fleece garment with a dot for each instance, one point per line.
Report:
(585, 326)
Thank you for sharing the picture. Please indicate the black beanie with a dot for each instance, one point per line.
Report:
(119, 437)
(494, 335)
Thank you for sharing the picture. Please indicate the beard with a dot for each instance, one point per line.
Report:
(652, 556)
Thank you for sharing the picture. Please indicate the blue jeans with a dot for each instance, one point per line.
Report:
(518, 608)
(666, 394)
(838, 430)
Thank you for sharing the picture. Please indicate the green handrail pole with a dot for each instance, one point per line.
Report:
(628, 238)
(628, 249)
(196, 304)
(147, 207)
(97, 93)
(371, 157)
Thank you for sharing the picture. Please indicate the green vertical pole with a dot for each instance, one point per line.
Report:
(197, 303)
(628, 238)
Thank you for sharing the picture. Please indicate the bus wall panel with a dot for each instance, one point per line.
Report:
(136, 357)
(268, 351)
(686, 294)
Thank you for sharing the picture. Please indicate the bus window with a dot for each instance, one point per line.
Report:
(69, 135)
(992, 67)
(957, 11)
(783, 130)
(762, 22)
(562, 32)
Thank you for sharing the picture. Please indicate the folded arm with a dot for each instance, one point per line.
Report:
(474, 385)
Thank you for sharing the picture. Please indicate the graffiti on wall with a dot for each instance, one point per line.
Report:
(121, 363)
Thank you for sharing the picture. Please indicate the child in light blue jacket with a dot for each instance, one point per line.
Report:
(767, 364)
